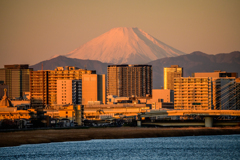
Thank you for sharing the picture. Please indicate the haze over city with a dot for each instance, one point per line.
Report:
(33, 31)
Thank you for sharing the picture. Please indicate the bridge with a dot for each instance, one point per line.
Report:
(207, 114)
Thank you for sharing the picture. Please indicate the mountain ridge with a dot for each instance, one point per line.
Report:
(194, 62)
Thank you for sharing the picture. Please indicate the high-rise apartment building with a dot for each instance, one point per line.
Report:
(193, 93)
(93, 88)
(225, 94)
(43, 84)
(17, 79)
(238, 93)
(129, 80)
(39, 88)
(224, 88)
(69, 91)
(206, 93)
(169, 74)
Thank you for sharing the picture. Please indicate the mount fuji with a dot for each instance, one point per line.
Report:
(124, 45)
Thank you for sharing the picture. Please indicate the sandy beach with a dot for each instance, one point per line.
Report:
(60, 135)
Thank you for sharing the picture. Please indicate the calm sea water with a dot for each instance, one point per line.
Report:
(194, 147)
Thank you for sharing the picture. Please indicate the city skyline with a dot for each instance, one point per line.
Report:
(33, 31)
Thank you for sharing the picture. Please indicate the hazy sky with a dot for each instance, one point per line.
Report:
(35, 30)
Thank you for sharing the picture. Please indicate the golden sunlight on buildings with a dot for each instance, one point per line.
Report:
(192, 93)
(93, 88)
(8, 111)
(43, 84)
(169, 74)
(103, 111)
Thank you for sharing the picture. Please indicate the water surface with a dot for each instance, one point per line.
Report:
(191, 147)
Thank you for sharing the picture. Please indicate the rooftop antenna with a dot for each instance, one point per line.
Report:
(85, 66)
(42, 66)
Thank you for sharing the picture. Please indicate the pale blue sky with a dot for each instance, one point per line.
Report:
(32, 31)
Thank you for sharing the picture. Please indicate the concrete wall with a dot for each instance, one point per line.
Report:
(166, 94)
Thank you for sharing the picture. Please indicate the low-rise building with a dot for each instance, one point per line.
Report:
(71, 112)
(120, 110)
(8, 111)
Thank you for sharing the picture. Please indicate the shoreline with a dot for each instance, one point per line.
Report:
(16, 138)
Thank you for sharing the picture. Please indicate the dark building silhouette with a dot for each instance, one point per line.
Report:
(129, 80)
(16, 77)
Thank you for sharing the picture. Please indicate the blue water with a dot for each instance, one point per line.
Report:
(192, 147)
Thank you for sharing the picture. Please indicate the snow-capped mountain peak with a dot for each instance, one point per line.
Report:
(124, 45)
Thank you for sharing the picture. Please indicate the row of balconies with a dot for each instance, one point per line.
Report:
(189, 104)
(191, 98)
(191, 88)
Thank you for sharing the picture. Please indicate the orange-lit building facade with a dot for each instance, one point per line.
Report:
(43, 84)
(69, 91)
(193, 93)
(169, 74)
(93, 88)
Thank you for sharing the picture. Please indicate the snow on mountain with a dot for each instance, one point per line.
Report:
(124, 45)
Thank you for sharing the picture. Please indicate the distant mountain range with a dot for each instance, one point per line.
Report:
(194, 62)
(124, 45)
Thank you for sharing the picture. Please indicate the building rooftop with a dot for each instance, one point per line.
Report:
(16, 66)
